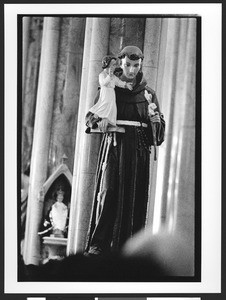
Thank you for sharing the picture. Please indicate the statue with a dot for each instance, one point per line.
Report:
(106, 105)
(120, 201)
(56, 221)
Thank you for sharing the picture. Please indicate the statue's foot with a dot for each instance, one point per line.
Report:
(58, 233)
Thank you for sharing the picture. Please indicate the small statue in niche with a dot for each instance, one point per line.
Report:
(56, 221)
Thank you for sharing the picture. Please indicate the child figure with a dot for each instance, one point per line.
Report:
(106, 104)
(56, 220)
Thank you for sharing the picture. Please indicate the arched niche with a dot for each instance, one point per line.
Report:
(52, 246)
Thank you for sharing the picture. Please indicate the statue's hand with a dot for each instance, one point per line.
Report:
(155, 118)
(103, 124)
(129, 86)
(111, 71)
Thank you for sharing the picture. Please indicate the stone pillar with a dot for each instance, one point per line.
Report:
(180, 205)
(150, 69)
(124, 32)
(175, 194)
(166, 87)
(26, 30)
(65, 113)
(184, 191)
(151, 50)
(176, 88)
(30, 85)
(87, 146)
(79, 136)
(39, 159)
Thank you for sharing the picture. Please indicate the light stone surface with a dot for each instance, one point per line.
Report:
(30, 87)
(74, 210)
(85, 210)
(67, 92)
(88, 194)
(178, 100)
(43, 120)
(168, 90)
(88, 146)
(26, 30)
(150, 75)
(187, 175)
(150, 69)
(124, 32)
(152, 42)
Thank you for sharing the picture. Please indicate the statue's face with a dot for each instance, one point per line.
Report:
(130, 67)
(60, 197)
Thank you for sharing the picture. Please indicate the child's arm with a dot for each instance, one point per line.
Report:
(103, 79)
(123, 84)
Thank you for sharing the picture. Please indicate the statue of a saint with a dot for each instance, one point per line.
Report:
(56, 220)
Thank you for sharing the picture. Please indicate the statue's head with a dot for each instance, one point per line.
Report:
(131, 58)
(132, 52)
(108, 60)
(60, 194)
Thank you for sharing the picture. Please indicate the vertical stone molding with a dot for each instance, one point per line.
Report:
(79, 134)
(175, 194)
(168, 58)
(26, 30)
(184, 195)
(39, 158)
(176, 119)
(65, 112)
(151, 50)
(180, 208)
(87, 146)
(150, 69)
(25, 46)
(31, 73)
(124, 32)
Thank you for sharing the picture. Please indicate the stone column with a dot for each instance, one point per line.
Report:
(124, 32)
(184, 190)
(180, 204)
(166, 87)
(150, 69)
(40, 151)
(151, 50)
(26, 25)
(87, 146)
(176, 176)
(65, 112)
(31, 67)
(79, 135)
(175, 113)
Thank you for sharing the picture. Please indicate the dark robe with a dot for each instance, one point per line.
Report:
(121, 189)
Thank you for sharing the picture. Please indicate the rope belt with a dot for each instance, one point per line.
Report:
(131, 123)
